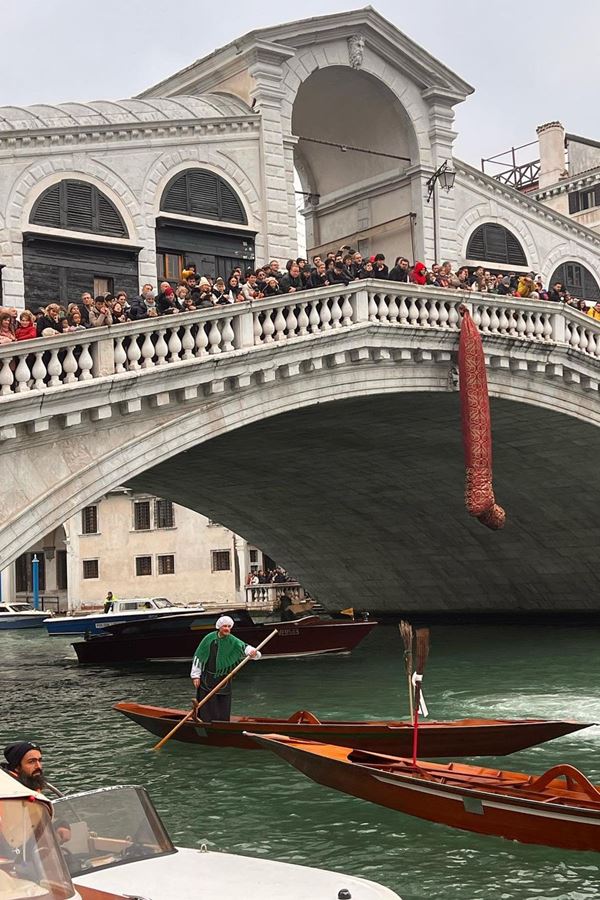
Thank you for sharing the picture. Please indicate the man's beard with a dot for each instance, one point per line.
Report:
(35, 782)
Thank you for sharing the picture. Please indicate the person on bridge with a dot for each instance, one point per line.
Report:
(217, 654)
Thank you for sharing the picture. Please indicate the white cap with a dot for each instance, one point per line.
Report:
(224, 620)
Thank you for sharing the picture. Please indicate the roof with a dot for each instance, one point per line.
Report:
(367, 21)
(98, 113)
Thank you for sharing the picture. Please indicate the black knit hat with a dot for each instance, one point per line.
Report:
(14, 753)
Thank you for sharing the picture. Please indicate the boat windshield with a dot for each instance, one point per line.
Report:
(162, 602)
(109, 827)
(31, 864)
(20, 607)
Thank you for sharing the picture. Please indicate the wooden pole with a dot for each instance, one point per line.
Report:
(214, 691)
(406, 632)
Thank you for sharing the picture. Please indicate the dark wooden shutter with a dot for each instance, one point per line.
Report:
(203, 195)
(78, 206)
(574, 202)
(492, 243)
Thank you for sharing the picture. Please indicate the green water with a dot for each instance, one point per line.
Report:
(253, 803)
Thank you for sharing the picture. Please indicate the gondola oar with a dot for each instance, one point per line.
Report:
(214, 691)
(422, 652)
(407, 634)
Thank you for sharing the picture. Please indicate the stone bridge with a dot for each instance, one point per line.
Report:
(324, 427)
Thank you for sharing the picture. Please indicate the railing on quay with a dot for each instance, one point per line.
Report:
(267, 595)
(63, 360)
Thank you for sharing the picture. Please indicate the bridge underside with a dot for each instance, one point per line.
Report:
(362, 500)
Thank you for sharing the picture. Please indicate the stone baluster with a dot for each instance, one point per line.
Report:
(267, 327)
(22, 375)
(147, 351)
(325, 315)
(403, 311)
(538, 327)
(313, 317)
(382, 308)
(174, 345)
(85, 363)
(453, 317)
(6, 377)
(443, 315)
(521, 324)
(336, 312)
(393, 309)
(346, 311)
(592, 343)
(187, 343)
(413, 312)
(134, 353)
(279, 325)
(494, 320)
(423, 313)
(214, 338)
(303, 320)
(54, 369)
(161, 349)
(38, 370)
(257, 328)
(228, 335)
(372, 308)
(512, 318)
(291, 322)
(574, 339)
(69, 366)
(502, 321)
(547, 321)
(201, 340)
(119, 355)
(476, 314)
(583, 339)
(484, 320)
(434, 312)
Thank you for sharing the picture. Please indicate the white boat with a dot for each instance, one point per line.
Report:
(117, 844)
(20, 615)
(121, 612)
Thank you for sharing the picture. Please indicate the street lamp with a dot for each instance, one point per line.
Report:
(446, 177)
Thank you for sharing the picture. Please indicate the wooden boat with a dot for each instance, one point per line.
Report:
(175, 637)
(464, 737)
(560, 808)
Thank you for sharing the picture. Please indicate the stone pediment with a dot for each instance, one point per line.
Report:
(225, 68)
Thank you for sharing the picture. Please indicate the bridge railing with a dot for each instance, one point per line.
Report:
(63, 360)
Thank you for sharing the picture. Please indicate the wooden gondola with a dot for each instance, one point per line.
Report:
(560, 808)
(464, 737)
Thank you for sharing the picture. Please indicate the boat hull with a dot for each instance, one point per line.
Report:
(17, 622)
(311, 638)
(469, 809)
(61, 626)
(436, 739)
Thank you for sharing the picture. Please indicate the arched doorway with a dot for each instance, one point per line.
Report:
(202, 221)
(577, 280)
(57, 266)
(355, 144)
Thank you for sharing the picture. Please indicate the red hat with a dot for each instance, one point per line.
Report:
(169, 292)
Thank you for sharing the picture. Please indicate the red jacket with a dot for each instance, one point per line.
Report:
(419, 274)
(26, 332)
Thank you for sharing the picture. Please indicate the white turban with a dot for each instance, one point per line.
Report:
(224, 620)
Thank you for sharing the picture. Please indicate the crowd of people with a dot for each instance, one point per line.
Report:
(271, 576)
(194, 291)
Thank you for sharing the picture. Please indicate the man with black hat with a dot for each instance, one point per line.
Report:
(24, 763)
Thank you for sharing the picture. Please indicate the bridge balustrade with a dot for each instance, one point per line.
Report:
(189, 338)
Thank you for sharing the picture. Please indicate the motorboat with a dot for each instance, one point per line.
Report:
(31, 863)
(20, 615)
(175, 637)
(560, 808)
(121, 612)
(462, 737)
(115, 844)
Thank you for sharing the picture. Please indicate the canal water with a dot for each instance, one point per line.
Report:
(252, 803)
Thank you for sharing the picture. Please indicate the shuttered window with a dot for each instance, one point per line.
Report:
(491, 243)
(577, 280)
(78, 206)
(89, 520)
(203, 195)
(164, 515)
(141, 515)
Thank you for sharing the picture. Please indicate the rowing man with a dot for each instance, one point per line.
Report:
(217, 654)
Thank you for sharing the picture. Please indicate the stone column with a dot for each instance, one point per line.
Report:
(442, 137)
(551, 138)
(240, 547)
(7, 577)
(11, 255)
(277, 175)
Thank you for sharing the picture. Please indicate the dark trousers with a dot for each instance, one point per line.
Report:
(218, 707)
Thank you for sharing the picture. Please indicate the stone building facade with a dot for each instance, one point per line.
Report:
(200, 168)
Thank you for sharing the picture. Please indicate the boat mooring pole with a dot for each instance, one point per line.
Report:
(35, 572)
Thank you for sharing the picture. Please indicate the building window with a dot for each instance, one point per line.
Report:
(141, 515)
(582, 200)
(577, 280)
(221, 561)
(170, 266)
(89, 520)
(103, 285)
(166, 565)
(90, 568)
(143, 565)
(24, 572)
(203, 195)
(254, 556)
(78, 206)
(491, 243)
(164, 515)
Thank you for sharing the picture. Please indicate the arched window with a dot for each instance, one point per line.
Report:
(203, 195)
(493, 243)
(78, 206)
(577, 280)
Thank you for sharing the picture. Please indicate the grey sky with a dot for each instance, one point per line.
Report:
(530, 61)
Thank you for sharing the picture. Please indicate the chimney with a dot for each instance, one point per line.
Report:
(551, 138)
